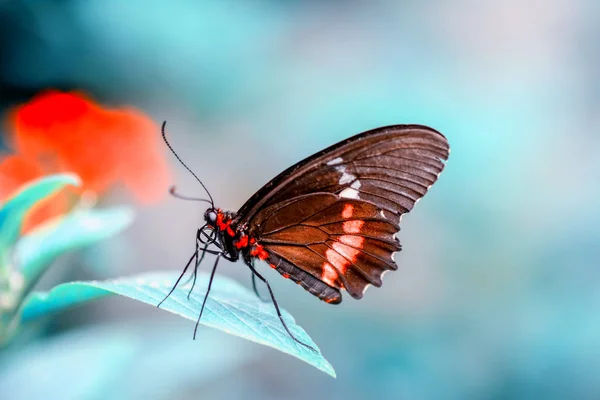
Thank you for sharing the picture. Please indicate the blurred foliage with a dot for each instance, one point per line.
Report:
(25, 259)
(14, 210)
(35, 252)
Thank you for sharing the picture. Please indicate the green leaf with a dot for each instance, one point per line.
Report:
(230, 308)
(35, 252)
(14, 210)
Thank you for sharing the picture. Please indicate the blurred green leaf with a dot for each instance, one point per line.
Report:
(14, 210)
(35, 252)
(230, 308)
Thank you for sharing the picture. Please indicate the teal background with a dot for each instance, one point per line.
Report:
(498, 286)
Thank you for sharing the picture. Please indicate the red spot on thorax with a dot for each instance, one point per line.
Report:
(242, 242)
(224, 224)
(220, 223)
(263, 255)
(260, 252)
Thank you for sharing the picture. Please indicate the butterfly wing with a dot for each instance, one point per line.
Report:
(344, 243)
(392, 167)
(329, 221)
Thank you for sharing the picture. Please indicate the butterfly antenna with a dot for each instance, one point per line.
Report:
(174, 193)
(164, 135)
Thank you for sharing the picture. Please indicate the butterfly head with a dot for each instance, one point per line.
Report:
(211, 215)
(209, 232)
(218, 220)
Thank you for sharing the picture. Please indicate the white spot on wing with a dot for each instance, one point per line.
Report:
(349, 193)
(336, 161)
(346, 177)
(352, 191)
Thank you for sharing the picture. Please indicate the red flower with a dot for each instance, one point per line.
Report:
(68, 132)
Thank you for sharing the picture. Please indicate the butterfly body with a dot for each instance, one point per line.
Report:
(235, 240)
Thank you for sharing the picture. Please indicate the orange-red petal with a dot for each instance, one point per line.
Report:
(69, 132)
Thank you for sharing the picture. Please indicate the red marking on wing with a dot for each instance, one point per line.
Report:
(349, 252)
(272, 266)
(286, 276)
(354, 241)
(353, 226)
(344, 243)
(336, 260)
(348, 210)
(330, 275)
(341, 257)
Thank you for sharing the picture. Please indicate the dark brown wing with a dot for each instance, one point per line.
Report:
(329, 221)
(325, 241)
(391, 167)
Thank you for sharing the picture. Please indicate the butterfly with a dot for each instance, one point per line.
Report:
(328, 222)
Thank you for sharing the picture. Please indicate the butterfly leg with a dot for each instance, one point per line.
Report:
(195, 274)
(195, 255)
(212, 275)
(205, 250)
(255, 288)
(256, 292)
(259, 276)
(198, 261)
